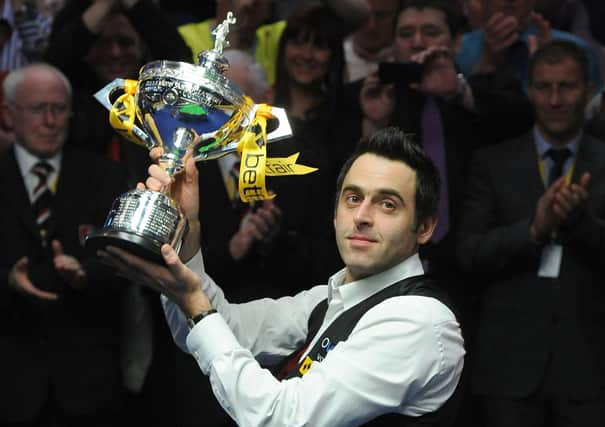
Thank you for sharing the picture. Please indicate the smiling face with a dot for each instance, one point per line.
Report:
(375, 216)
(559, 94)
(39, 114)
(306, 61)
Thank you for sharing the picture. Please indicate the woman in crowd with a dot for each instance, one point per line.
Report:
(309, 77)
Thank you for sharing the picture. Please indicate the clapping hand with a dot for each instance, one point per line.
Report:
(557, 205)
(18, 279)
(261, 224)
(68, 267)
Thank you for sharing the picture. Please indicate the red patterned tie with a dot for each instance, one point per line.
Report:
(42, 196)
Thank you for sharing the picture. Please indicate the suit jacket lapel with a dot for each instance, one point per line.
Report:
(529, 167)
(585, 159)
(69, 184)
(15, 193)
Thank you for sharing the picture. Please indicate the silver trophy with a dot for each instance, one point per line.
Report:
(189, 110)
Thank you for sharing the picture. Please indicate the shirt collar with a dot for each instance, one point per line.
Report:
(354, 292)
(26, 160)
(542, 146)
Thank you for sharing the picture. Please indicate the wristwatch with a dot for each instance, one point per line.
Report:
(192, 321)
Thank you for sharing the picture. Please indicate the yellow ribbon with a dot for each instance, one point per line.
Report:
(254, 163)
(252, 144)
(280, 166)
(122, 115)
(253, 149)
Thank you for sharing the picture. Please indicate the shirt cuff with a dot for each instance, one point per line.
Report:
(210, 338)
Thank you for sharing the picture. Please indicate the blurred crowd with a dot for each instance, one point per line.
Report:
(489, 89)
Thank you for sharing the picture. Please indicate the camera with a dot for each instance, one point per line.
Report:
(400, 72)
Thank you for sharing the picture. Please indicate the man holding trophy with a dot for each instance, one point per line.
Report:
(379, 344)
(385, 344)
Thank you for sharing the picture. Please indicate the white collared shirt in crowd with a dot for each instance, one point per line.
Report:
(404, 355)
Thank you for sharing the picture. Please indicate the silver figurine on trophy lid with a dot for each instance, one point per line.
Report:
(189, 110)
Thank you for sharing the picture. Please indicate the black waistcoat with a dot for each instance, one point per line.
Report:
(341, 328)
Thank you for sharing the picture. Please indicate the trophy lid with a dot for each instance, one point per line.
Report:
(203, 84)
(207, 83)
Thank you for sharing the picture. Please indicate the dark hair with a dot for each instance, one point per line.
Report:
(394, 144)
(314, 21)
(452, 18)
(556, 51)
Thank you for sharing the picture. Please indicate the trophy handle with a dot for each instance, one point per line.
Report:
(123, 111)
(282, 131)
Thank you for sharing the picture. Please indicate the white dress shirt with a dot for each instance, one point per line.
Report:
(404, 355)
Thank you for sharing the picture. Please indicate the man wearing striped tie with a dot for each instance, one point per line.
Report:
(59, 330)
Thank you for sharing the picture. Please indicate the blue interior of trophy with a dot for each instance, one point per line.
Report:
(164, 121)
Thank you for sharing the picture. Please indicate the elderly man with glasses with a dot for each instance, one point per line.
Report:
(59, 337)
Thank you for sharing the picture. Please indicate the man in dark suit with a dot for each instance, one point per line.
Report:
(532, 223)
(59, 321)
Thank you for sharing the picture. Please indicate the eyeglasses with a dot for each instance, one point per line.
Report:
(57, 110)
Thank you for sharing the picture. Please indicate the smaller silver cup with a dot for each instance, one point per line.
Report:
(141, 221)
